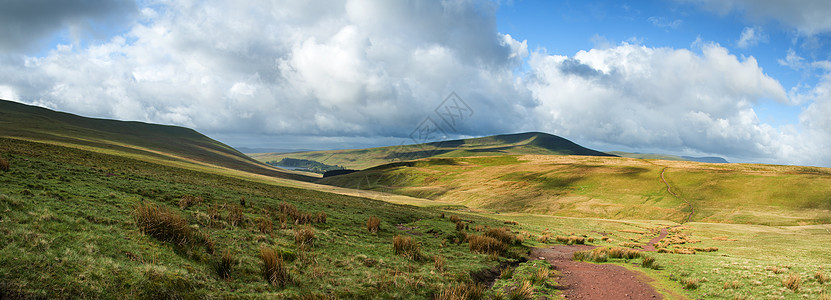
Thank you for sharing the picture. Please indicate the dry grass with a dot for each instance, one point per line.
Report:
(503, 235)
(689, 283)
(321, 217)
(304, 237)
(525, 291)
(455, 219)
(732, 285)
(649, 262)
(188, 201)
(274, 269)
(461, 292)
(821, 277)
(571, 240)
(235, 215)
(792, 282)
(439, 263)
(485, 245)
(540, 276)
(4, 164)
(544, 238)
(683, 251)
(265, 226)
(776, 270)
(407, 246)
(511, 222)
(162, 224)
(224, 265)
(603, 254)
(373, 224)
(460, 226)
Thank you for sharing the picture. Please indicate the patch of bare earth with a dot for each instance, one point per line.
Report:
(581, 280)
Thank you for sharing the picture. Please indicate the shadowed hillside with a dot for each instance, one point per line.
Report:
(141, 139)
(506, 144)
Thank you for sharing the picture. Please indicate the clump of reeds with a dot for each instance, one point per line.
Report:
(162, 224)
(274, 269)
(485, 245)
(407, 246)
(373, 224)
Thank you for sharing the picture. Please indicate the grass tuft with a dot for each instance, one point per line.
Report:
(649, 262)
(274, 269)
(455, 219)
(224, 265)
(792, 282)
(525, 291)
(505, 236)
(439, 263)
(304, 237)
(321, 217)
(732, 285)
(373, 224)
(235, 215)
(162, 224)
(188, 201)
(462, 292)
(689, 283)
(821, 277)
(407, 246)
(485, 245)
(4, 164)
(265, 225)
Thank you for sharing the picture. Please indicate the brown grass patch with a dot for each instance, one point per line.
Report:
(776, 270)
(732, 285)
(162, 224)
(274, 269)
(524, 291)
(461, 292)
(4, 164)
(821, 277)
(455, 219)
(460, 226)
(503, 235)
(265, 226)
(439, 263)
(485, 245)
(321, 217)
(512, 222)
(235, 215)
(792, 282)
(188, 201)
(304, 237)
(373, 224)
(407, 246)
(683, 251)
(689, 283)
(571, 240)
(224, 265)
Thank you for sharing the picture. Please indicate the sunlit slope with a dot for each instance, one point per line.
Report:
(506, 144)
(152, 141)
(611, 187)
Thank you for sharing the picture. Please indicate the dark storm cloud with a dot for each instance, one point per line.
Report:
(26, 23)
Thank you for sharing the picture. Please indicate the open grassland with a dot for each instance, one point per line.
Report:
(611, 187)
(508, 144)
(81, 224)
(730, 261)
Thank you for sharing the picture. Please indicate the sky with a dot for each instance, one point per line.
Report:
(747, 80)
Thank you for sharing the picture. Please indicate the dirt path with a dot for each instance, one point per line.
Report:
(580, 280)
(669, 190)
(651, 245)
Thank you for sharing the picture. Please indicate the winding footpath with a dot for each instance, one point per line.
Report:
(580, 280)
(669, 190)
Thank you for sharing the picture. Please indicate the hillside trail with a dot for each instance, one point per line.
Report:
(669, 190)
(581, 280)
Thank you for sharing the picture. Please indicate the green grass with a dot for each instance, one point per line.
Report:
(610, 187)
(70, 230)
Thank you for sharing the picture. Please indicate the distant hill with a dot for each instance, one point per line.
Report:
(137, 138)
(712, 160)
(505, 144)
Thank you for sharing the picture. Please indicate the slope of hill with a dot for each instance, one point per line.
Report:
(611, 187)
(162, 142)
(506, 144)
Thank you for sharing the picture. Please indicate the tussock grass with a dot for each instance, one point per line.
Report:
(524, 291)
(4, 164)
(274, 269)
(649, 262)
(732, 285)
(265, 225)
(792, 282)
(511, 222)
(540, 276)
(189, 200)
(304, 237)
(235, 216)
(689, 283)
(460, 226)
(224, 264)
(776, 270)
(571, 240)
(162, 224)
(821, 277)
(321, 217)
(439, 263)
(505, 236)
(455, 219)
(462, 292)
(603, 254)
(485, 245)
(373, 224)
(407, 246)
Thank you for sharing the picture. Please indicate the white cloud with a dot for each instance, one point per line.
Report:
(751, 37)
(808, 16)
(670, 99)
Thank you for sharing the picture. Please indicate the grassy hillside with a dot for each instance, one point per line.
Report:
(75, 225)
(669, 157)
(611, 187)
(507, 144)
(135, 139)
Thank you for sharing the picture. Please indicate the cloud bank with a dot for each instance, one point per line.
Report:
(374, 70)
